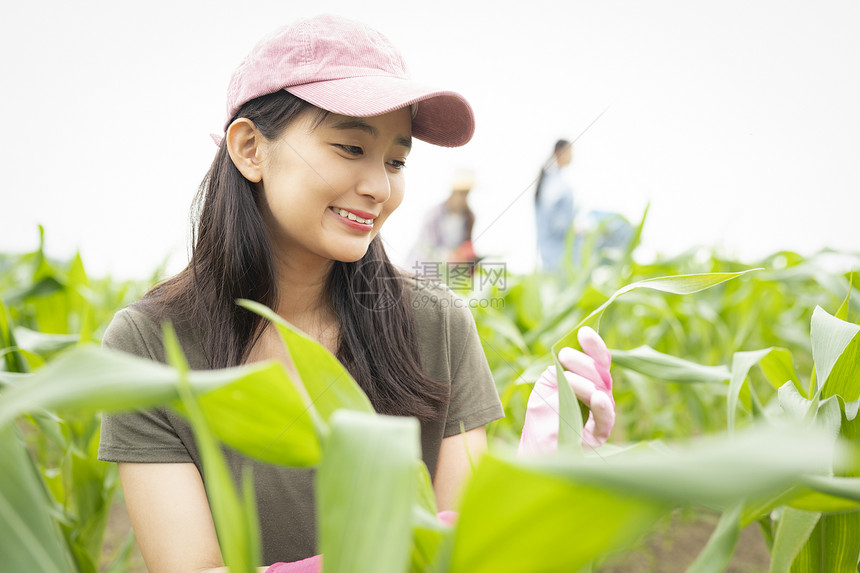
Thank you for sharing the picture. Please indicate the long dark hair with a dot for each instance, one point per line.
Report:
(560, 145)
(232, 258)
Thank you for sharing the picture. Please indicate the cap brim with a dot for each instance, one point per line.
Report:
(443, 117)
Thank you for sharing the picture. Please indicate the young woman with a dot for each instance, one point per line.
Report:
(321, 117)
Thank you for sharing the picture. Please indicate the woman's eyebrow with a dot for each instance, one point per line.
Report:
(358, 123)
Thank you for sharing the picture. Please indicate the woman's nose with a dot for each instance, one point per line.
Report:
(374, 183)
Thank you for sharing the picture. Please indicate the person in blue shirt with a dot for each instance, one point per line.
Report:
(554, 208)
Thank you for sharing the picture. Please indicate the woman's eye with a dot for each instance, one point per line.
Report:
(397, 164)
(351, 149)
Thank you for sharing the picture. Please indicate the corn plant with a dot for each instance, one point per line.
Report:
(606, 501)
(775, 453)
(46, 307)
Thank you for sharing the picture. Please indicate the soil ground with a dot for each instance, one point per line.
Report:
(670, 549)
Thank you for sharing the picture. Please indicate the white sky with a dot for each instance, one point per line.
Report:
(737, 120)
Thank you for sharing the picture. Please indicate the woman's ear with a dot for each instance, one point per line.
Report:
(246, 146)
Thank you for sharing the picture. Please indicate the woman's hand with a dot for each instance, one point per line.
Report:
(587, 372)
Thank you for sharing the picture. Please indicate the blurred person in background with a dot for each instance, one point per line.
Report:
(446, 233)
(554, 207)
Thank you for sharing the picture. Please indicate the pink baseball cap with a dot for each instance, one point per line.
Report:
(347, 68)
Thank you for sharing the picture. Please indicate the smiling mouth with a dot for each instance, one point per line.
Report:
(351, 216)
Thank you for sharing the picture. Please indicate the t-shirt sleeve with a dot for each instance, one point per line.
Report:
(474, 398)
(146, 435)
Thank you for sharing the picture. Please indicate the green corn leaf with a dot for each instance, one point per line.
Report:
(794, 403)
(713, 471)
(11, 378)
(679, 284)
(427, 531)
(792, 532)
(513, 518)
(281, 433)
(29, 539)
(832, 546)
(13, 359)
(664, 367)
(777, 366)
(798, 497)
(238, 535)
(605, 502)
(91, 379)
(809, 500)
(329, 385)
(717, 554)
(836, 352)
(81, 297)
(43, 344)
(842, 311)
(570, 414)
(845, 487)
(365, 492)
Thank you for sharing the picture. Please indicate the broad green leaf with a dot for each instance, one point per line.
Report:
(792, 532)
(281, 433)
(329, 385)
(636, 238)
(43, 344)
(829, 416)
(427, 531)
(95, 379)
(238, 536)
(667, 368)
(842, 311)
(43, 287)
(88, 496)
(848, 488)
(717, 554)
(515, 518)
(714, 471)
(365, 492)
(581, 498)
(13, 359)
(679, 284)
(836, 352)
(810, 500)
(778, 367)
(80, 297)
(11, 378)
(90, 379)
(832, 546)
(794, 403)
(570, 415)
(775, 363)
(29, 539)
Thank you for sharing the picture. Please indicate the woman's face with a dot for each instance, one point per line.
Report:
(327, 189)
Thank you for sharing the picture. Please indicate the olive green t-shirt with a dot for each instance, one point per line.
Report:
(450, 351)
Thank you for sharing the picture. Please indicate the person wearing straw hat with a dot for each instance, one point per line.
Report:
(446, 234)
(321, 115)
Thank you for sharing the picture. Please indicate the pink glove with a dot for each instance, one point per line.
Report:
(309, 565)
(314, 564)
(587, 372)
